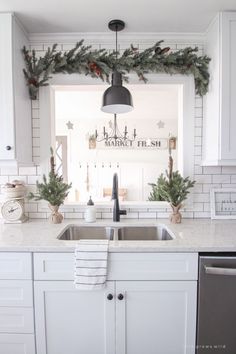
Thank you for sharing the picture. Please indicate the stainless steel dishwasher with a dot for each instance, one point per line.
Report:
(216, 325)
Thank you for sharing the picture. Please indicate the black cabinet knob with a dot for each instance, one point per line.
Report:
(8, 147)
(120, 297)
(109, 297)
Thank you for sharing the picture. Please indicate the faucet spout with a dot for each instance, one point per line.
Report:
(115, 196)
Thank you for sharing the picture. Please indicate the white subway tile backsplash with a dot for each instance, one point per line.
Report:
(4, 179)
(199, 214)
(68, 46)
(36, 160)
(21, 178)
(107, 215)
(233, 179)
(198, 206)
(33, 215)
(74, 215)
(207, 207)
(35, 123)
(36, 47)
(197, 188)
(31, 207)
(46, 46)
(198, 131)
(131, 215)
(221, 179)
(164, 215)
(229, 170)
(36, 133)
(203, 179)
(35, 113)
(198, 141)
(147, 215)
(198, 112)
(36, 151)
(9, 170)
(27, 171)
(32, 179)
(35, 104)
(198, 102)
(214, 170)
(198, 150)
(197, 160)
(204, 197)
(207, 187)
(231, 185)
(198, 170)
(198, 122)
(36, 142)
(187, 214)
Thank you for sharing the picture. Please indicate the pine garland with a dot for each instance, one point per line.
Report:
(100, 64)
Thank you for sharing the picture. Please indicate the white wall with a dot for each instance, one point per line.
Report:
(206, 177)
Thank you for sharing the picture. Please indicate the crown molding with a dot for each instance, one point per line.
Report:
(105, 38)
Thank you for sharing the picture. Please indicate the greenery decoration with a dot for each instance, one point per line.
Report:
(100, 64)
(53, 190)
(172, 188)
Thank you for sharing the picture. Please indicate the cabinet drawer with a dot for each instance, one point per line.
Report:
(17, 344)
(122, 266)
(153, 266)
(16, 293)
(16, 320)
(15, 265)
(53, 266)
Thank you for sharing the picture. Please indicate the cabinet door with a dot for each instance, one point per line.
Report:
(156, 317)
(6, 89)
(74, 321)
(17, 344)
(228, 86)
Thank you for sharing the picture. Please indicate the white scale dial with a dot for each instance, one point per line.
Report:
(12, 210)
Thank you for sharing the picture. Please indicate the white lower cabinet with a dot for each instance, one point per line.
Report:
(139, 317)
(16, 304)
(17, 344)
(155, 317)
(69, 321)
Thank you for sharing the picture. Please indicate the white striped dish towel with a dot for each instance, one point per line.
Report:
(91, 264)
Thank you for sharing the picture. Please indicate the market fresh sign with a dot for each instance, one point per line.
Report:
(159, 144)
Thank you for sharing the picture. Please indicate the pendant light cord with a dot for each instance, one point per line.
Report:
(116, 43)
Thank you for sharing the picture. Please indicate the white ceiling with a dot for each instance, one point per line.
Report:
(44, 16)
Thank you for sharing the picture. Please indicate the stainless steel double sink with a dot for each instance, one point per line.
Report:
(116, 233)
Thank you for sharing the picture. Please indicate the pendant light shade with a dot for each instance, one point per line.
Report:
(117, 98)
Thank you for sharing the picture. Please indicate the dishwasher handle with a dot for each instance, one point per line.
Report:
(220, 271)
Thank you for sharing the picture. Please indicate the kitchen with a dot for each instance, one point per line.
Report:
(169, 287)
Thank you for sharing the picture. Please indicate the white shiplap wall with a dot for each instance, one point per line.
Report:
(206, 177)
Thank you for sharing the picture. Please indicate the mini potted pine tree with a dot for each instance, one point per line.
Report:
(53, 190)
(172, 188)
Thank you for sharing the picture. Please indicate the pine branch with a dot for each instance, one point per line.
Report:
(100, 63)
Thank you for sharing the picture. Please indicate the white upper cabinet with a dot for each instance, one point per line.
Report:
(15, 105)
(219, 145)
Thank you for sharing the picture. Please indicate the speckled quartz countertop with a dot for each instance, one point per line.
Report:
(199, 235)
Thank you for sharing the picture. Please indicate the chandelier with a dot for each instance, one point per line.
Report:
(115, 137)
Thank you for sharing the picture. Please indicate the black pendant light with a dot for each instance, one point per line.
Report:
(117, 98)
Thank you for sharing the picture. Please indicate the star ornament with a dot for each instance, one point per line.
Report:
(160, 124)
(69, 125)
